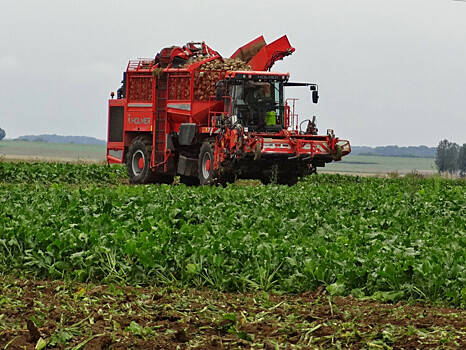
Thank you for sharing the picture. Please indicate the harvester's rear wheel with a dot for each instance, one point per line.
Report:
(138, 161)
(206, 164)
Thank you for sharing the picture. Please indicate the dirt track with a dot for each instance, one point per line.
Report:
(110, 317)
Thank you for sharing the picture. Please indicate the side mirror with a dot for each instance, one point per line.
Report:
(315, 93)
(315, 96)
(219, 92)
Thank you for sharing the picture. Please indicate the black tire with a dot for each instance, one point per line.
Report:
(189, 180)
(206, 164)
(138, 161)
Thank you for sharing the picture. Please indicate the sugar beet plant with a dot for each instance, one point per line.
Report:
(395, 238)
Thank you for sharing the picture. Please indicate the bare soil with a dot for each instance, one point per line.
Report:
(59, 315)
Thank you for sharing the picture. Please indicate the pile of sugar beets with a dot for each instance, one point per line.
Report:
(208, 74)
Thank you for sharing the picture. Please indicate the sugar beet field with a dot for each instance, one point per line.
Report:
(88, 261)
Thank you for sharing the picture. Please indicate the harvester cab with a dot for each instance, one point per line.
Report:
(254, 101)
(257, 101)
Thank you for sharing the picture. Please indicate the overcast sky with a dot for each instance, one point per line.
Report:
(389, 71)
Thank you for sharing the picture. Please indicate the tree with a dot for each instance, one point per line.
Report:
(462, 161)
(452, 158)
(447, 157)
(2, 133)
(441, 157)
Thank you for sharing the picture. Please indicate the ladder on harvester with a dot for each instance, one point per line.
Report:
(159, 136)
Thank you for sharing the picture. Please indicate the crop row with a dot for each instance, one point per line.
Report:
(400, 238)
(64, 173)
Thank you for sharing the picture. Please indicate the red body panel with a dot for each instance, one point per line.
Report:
(248, 51)
(261, 56)
(271, 53)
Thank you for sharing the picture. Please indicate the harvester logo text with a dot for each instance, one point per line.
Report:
(137, 120)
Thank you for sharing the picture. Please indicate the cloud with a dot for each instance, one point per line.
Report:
(8, 64)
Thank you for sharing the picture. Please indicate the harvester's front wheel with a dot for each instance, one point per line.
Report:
(138, 161)
(206, 164)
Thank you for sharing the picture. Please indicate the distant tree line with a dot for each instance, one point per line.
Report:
(394, 151)
(53, 138)
(451, 158)
(2, 134)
